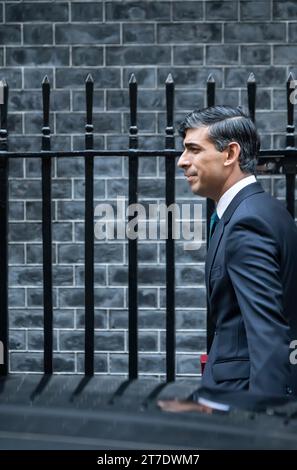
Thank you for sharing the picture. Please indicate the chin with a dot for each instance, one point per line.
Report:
(196, 189)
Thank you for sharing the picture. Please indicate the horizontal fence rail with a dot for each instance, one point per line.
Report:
(273, 159)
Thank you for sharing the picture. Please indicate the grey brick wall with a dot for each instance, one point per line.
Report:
(66, 40)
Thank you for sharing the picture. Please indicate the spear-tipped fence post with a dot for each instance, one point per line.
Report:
(89, 233)
(46, 170)
(132, 243)
(251, 92)
(4, 338)
(171, 222)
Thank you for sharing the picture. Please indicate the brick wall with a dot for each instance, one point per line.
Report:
(66, 40)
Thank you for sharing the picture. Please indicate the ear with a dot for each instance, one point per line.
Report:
(232, 153)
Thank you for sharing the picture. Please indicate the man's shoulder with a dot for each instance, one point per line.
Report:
(261, 205)
(263, 214)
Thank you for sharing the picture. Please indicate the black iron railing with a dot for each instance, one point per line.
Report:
(285, 158)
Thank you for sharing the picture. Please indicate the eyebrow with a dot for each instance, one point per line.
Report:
(192, 145)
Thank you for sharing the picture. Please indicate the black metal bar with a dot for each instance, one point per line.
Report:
(210, 205)
(46, 168)
(4, 336)
(251, 92)
(290, 168)
(89, 233)
(290, 136)
(210, 90)
(170, 264)
(132, 243)
(89, 128)
(210, 97)
(130, 153)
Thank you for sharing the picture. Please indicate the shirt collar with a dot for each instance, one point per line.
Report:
(227, 197)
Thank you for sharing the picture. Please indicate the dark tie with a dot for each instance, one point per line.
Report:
(214, 219)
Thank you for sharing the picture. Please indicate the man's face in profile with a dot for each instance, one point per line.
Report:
(202, 163)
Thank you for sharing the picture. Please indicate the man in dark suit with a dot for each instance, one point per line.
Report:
(251, 264)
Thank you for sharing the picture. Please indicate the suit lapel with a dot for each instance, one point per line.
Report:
(247, 191)
(212, 249)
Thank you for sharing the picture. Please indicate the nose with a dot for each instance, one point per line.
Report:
(183, 161)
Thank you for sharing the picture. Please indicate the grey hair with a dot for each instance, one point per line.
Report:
(227, 124)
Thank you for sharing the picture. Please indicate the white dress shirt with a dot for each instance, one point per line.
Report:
(227, 197)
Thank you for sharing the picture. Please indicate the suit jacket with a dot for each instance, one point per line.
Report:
(251, 281)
